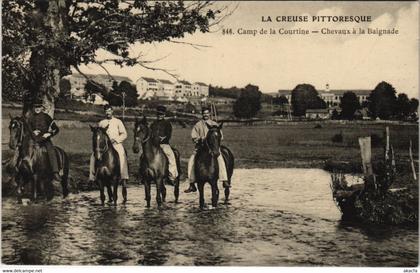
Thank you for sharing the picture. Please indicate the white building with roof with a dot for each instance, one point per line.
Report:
(166, 89)
(202, 89)
(183, 89)
(147, 87)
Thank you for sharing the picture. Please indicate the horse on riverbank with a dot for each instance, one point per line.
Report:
(206, 166)
(153, 162)
(107, 165)
(32, 164)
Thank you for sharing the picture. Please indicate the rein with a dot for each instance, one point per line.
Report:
(20, 138)
(148, 136)
(99, 149)
(208, 146)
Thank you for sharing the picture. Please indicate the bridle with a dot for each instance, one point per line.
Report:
(98, 147)
(20, 137)
(206, 141)
(148, 135)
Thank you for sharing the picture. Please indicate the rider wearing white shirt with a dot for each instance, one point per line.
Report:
(117, 133)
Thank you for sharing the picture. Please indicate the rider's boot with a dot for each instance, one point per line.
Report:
(192, 188)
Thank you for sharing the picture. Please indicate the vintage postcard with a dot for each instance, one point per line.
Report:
(201, 133)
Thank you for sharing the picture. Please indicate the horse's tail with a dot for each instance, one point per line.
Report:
(64, 166)
(178, 161)
(229, 160)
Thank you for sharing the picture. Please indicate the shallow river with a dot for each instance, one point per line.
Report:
(283, 217)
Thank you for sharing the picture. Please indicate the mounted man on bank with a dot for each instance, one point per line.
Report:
(43, 128)
(198, 135)
(162, 129)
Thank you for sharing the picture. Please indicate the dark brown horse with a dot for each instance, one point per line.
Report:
(32, 164)
(206, 167)
(153, 162)
(107, 165)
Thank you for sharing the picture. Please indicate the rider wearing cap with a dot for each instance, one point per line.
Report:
(162, 128)
(117, 133)
(198, 134)
(43, 128)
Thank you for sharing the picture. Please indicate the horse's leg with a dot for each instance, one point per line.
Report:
(34, 187)
(227, 192)
(163, 192)
(147, 192)
(176, 189)
(115, 184)
(101, 190)
(48, 189)
(19, 183)
(124, 190)
(65, 177)
(159, 183)
(201, 191)
(110, 194)
(214, 193)
(178, 166)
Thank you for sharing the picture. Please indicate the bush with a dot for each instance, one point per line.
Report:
(337, 138)
(318, 126)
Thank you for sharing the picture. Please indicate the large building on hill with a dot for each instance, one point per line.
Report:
(331, 96)
(150, 88)
(147, 87)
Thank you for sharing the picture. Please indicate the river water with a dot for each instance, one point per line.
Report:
(277, 217)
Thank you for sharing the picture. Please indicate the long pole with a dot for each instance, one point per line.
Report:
(410, 150)
(123, 99)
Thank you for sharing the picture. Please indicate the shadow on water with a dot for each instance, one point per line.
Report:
(39, 232)
(155, 231)
(109, 234)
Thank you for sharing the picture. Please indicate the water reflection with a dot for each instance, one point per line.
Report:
(290, 221)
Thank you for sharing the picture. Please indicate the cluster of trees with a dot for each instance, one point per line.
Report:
(384, 104)
(381, 103)
(248, 103)
(123, 93)
(218, 91)
(44, 39)
(305, 96)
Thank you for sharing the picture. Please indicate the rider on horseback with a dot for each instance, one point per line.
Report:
(198, 134)
(163, 129)
(117, 133)
(43, 128)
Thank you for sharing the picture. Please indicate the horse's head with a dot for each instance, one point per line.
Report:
(100, 141)
(16, 127)
(214, 138)
(141, 133)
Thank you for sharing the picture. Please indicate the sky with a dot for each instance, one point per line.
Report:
(275, 62)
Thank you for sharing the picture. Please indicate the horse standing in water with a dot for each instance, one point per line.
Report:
(206, 166)
(32, 163)
(107, 165)
(153, 162)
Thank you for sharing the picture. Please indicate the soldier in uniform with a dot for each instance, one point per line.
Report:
(162, 129)
(117, 133)
(198, 134)
(43, 128)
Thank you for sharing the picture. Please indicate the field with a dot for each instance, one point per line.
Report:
(289, 145)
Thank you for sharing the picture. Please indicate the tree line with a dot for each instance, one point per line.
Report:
(382, 102)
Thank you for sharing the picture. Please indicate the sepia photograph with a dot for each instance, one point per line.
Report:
(209, 133)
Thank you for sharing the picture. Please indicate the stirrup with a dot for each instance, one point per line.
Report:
(192, 188)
